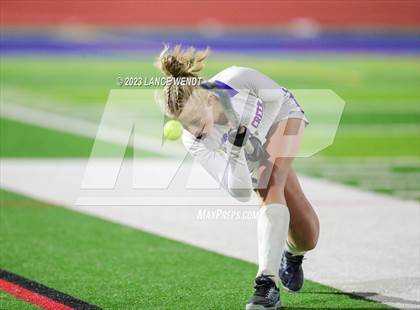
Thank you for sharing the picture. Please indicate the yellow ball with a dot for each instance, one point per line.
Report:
(172, 130)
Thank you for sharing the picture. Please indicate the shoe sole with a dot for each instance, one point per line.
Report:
(259, 307)
(291, 291)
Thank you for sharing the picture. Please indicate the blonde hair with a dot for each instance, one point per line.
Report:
(179, 63)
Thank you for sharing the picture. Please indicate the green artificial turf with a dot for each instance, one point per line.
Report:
(23, 140)
(11, 302)
(116, 267)
(379, 125)
(378, 90)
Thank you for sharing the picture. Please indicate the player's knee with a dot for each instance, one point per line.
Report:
(310, 243)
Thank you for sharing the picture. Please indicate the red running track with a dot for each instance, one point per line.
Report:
(237, 13)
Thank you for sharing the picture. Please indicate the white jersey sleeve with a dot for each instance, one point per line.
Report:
(257, 83)
(261, 98)
(229, 169)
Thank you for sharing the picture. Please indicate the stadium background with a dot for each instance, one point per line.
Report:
(63, 58)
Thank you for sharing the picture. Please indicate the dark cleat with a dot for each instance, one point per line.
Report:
(266, 296)
(291, 272)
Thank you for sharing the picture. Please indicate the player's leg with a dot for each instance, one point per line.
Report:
(281, 147)
(304, 224)
(303, 234)
(273, 220)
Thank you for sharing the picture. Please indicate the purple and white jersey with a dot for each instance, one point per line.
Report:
(258, 100)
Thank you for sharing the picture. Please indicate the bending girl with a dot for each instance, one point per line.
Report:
(288, 226)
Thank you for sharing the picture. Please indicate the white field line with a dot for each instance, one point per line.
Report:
(369, 243)
(83, 128)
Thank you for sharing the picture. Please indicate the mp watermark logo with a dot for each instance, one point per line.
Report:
(140, 167)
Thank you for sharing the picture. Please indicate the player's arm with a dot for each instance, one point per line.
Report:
(261, 85)
(230, 171)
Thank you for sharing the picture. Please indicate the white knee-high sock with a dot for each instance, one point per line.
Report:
(273, 226)
(292, 249)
